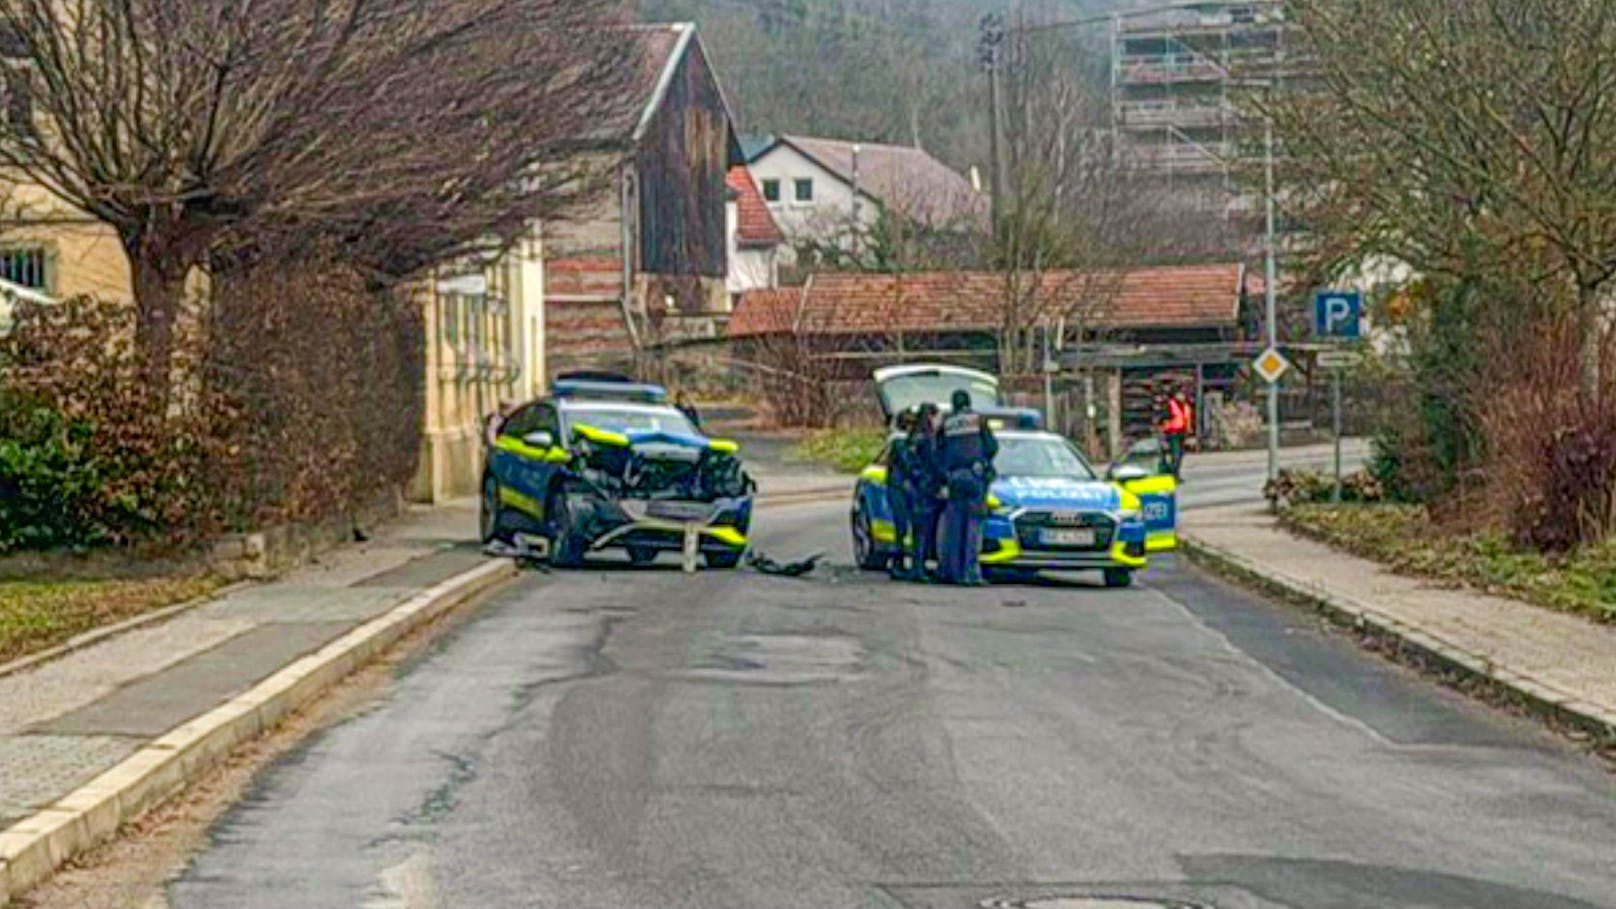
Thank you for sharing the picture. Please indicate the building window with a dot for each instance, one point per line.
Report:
(805, 189)
(771, 190)
(28, 266)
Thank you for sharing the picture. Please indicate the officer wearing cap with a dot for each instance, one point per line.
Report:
(966, 449)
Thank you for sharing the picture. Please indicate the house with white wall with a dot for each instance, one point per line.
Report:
(754, 238)
(827, 191)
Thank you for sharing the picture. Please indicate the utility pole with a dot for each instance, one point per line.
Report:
(990, 55)
(1268, 292)
(858, 221)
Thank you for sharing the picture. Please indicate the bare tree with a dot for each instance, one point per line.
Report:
(1068, 221)
(404, 131)
(1473, 141)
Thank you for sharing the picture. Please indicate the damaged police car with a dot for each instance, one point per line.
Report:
(606, 463)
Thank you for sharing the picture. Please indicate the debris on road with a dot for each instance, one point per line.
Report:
(765, 565)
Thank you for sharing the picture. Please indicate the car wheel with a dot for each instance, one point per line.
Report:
(491, 514)
(566, 543)
(865, 553)
(641, 555)
(724, 560)
(1118, 577)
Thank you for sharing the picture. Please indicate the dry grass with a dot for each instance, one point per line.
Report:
(35, 615)
(1406, 539)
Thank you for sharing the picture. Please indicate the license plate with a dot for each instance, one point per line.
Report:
(680, 511)
(1067, 537)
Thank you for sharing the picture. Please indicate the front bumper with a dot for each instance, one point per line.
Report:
(661, 524)
(1013, 540)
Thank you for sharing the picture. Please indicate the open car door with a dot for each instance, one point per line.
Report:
(1139, 471)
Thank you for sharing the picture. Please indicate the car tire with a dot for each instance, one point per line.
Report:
(865, 553)
(724, 560)
(641, 555)
(491, 524)
(1118, 577)
(567, 545)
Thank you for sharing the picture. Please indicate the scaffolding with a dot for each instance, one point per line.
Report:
(1176, 73)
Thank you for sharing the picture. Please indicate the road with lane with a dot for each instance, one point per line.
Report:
(616, 738)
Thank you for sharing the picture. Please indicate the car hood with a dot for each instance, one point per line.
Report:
(652, 440)
(1057, 492)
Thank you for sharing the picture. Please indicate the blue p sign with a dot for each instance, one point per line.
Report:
(1337, 313)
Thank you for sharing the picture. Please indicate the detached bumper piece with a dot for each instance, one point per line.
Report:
(711, 528)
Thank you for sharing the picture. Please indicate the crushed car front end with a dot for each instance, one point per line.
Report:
(646, 491)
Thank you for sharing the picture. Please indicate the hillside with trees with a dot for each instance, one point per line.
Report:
(899, 71)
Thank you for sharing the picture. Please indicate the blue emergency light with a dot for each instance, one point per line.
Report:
(1020, 418)
(609, 390)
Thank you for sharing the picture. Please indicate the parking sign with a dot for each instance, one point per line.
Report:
(1337, 314)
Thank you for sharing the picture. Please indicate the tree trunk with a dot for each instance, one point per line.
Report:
(159, 286)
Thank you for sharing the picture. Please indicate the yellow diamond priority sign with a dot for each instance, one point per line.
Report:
(1271, 364)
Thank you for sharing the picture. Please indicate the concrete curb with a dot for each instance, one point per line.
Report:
(804, 496)
(36, 846)
(1410, 644)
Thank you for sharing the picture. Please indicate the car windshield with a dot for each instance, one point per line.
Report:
(1040, 457)
(637, 419)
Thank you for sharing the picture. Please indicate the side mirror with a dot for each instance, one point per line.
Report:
(1126, 473)
(540, 439)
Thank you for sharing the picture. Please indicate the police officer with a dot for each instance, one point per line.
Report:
(901, 494)
(966, 449)
(926, 503)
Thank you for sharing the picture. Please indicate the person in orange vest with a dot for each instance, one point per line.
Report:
(1178, 424)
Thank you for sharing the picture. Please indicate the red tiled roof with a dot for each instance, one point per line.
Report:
(757, 227)
(1177, 296)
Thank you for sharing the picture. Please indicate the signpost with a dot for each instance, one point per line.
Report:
(1271, 364)
(1337, 316)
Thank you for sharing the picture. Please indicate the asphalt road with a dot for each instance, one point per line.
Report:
(637, 739)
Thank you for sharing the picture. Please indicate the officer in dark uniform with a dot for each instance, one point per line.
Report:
(926, 503)
(901, 494)
(966, 451)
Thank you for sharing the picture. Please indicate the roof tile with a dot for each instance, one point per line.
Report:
(1178, 296)
(757, 227)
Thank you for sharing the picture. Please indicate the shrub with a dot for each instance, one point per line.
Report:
(1551, 420)
(1293, 487)
(89, 458)
(304, 404)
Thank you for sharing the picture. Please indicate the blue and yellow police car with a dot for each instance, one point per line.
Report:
(1049, 509)
(605, 463)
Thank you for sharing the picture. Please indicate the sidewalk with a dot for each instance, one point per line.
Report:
(69, 720)
(1557, 663)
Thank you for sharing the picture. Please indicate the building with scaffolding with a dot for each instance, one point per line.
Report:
(1176, 75)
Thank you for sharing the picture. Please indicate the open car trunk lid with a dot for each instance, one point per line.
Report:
(899, 388)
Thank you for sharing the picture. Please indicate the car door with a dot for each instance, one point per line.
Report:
(873, 495)
(522, 469)
(541, 464)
